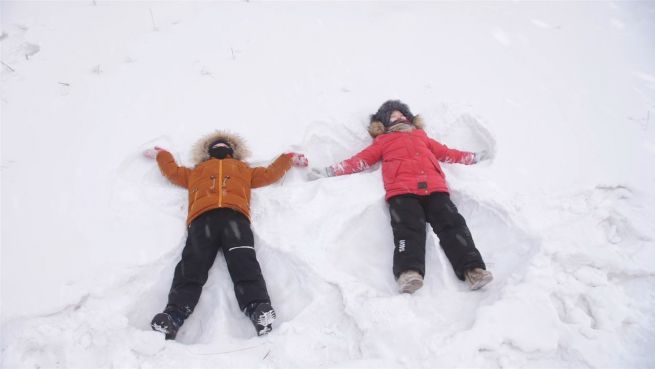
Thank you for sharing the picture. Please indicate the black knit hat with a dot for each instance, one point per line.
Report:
(384, 112)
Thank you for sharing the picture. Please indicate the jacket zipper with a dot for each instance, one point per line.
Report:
(220, 191)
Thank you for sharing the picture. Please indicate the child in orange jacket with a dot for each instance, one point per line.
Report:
(219, 218)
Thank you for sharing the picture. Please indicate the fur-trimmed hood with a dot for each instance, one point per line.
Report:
(200, 150)
(376, 127)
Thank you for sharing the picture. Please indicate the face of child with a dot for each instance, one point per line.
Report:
(220, 150)
(397, 117)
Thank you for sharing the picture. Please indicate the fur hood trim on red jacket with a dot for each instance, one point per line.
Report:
(376, 127)
(200, 150)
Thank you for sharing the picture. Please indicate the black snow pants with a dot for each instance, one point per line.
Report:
(409, 214)
(230, 231)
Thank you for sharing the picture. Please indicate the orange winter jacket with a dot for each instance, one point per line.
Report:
(225, 183)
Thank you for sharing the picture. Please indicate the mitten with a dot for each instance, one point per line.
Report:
(298, 160)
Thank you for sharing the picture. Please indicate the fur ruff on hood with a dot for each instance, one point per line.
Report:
(376, 127)
(200, 150)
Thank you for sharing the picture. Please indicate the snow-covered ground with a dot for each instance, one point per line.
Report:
(563, 94)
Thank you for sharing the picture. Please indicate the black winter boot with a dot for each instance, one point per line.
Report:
(168, 322)
(261, 315)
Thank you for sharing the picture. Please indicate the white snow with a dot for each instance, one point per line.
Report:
(561, 94)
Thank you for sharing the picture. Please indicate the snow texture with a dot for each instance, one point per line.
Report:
(561, 95)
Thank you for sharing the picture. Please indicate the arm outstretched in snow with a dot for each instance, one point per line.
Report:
(359, 162)
(169, 168)
(448, 155)
(263, 176)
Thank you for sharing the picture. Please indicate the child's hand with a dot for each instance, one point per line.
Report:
(480, 156)
(298, 160)
(317, 173)
(152, 153)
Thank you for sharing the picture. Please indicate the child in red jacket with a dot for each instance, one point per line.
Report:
(417, 193)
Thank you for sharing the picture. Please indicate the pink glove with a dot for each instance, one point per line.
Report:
(298, 160)
(152, 153)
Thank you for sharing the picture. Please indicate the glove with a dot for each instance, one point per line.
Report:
(318, 173)
(480, 156)
(152, 153)
(298, 160)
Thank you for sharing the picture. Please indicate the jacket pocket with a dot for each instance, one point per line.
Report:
(390, 170)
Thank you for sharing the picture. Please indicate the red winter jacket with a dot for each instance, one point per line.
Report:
(410, 162)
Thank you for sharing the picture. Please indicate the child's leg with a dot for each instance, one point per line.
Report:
(197, 258)
(238, 248)
(454, 236)
(408, 225)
